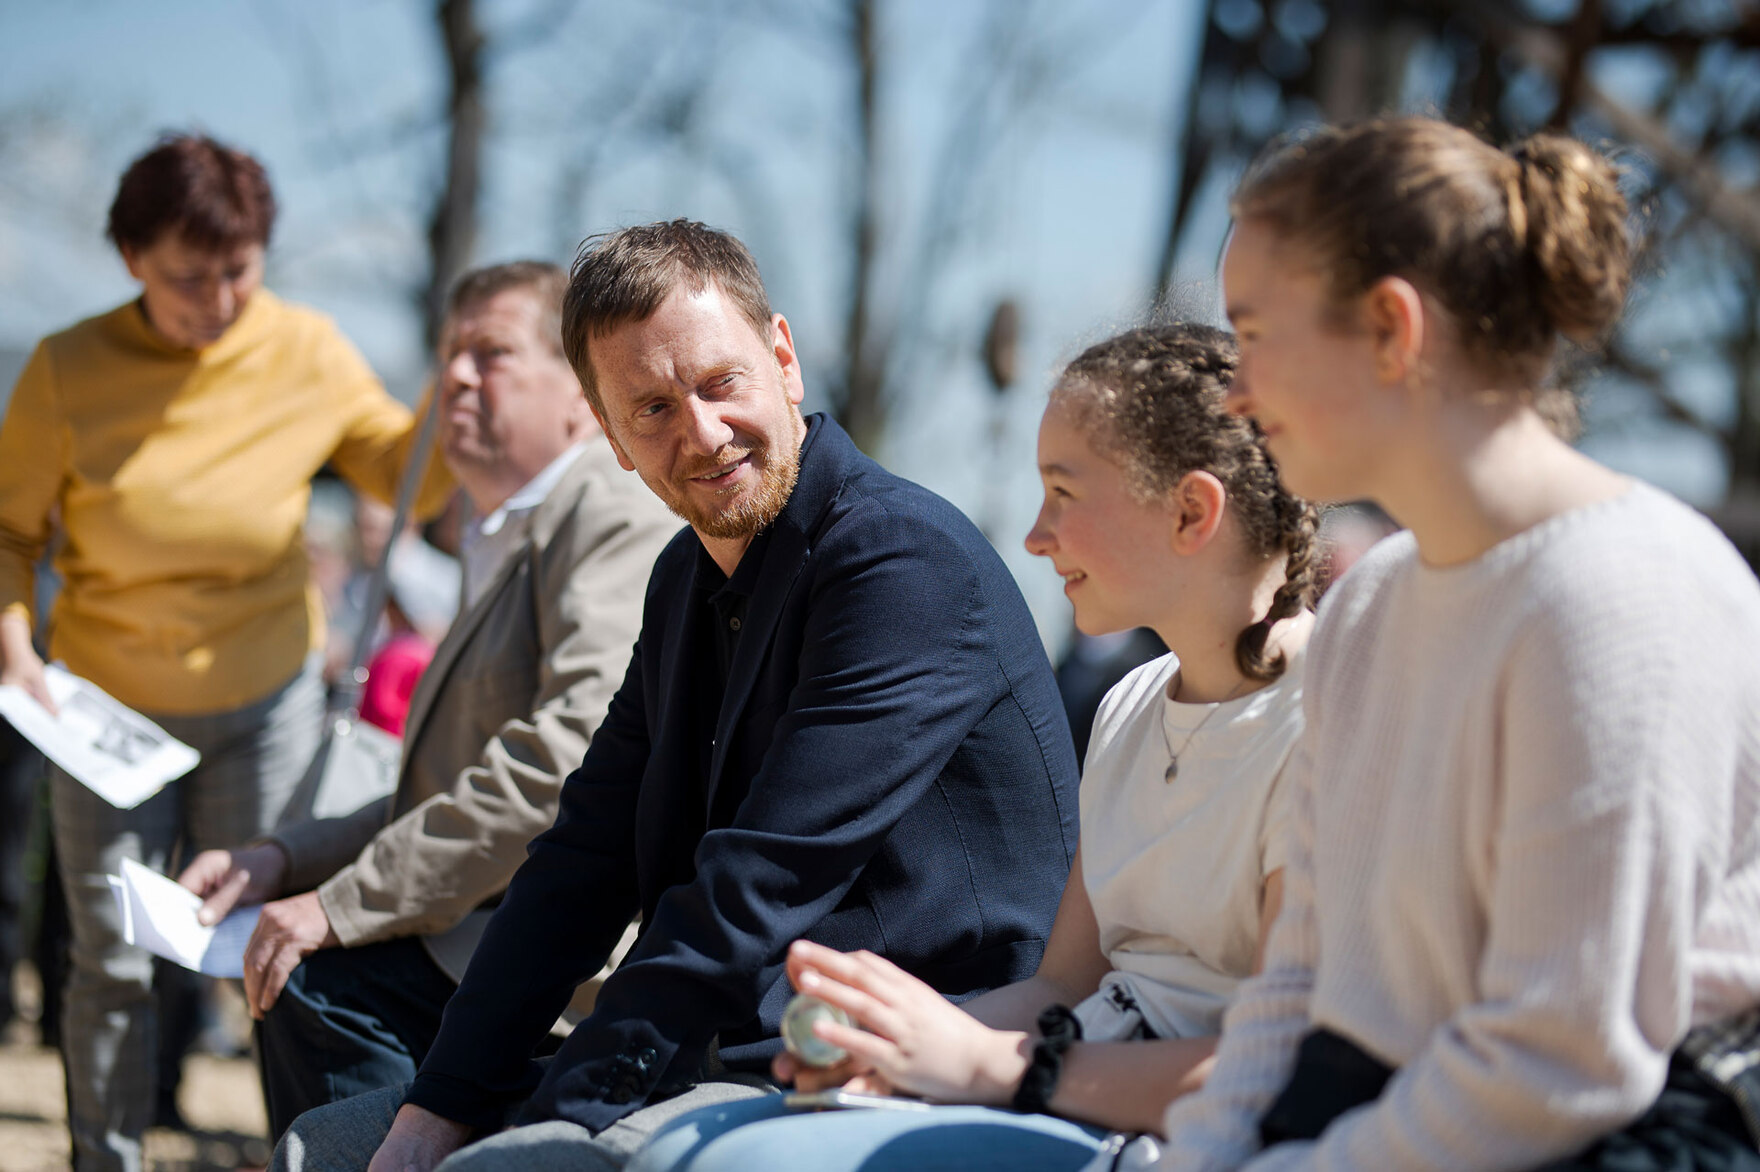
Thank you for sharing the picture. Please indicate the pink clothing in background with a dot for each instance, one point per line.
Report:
(391, 680)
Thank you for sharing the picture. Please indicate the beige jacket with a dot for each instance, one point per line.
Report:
(501, 716)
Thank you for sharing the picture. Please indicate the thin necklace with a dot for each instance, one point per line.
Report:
(1172, 753)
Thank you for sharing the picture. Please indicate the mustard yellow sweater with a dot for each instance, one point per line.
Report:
(182, 479)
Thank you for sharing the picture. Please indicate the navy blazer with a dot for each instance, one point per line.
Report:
(891, 770)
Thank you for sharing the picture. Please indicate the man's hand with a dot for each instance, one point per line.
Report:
(290, 930)
(227, 879)
(417, 1141)
(912, 1038)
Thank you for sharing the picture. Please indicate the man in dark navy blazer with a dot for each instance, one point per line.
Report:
(838, 723)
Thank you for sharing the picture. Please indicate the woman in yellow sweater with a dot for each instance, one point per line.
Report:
(176, 437)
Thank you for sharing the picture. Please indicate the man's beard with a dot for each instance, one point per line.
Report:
(752, 510)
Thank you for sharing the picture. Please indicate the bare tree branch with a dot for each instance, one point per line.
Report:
(1024, 75)
(1737, 211)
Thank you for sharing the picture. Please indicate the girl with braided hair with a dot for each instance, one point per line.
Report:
(1521, 925)
(1163, 510)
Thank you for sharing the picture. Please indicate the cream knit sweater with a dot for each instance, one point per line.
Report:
(1527, 846)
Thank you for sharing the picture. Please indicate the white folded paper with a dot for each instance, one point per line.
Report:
(160, 916)
(102, 743)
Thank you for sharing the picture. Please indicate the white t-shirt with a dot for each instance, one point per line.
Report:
(491, 541)
(1175, 869)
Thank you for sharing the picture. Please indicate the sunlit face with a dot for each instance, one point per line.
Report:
(705, 410)
(1306, 378)
(193, 295)
(1112, 549)
(509, 401)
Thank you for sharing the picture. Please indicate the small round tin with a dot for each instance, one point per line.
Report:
(798, 1035)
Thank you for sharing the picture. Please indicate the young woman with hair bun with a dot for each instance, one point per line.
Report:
(1161, 509)
(1521, 920)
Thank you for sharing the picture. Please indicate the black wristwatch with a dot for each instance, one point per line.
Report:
(1058, 1031)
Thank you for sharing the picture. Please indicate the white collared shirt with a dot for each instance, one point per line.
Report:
(488, 542)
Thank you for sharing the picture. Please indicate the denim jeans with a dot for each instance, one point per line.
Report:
(343, 1136)
(349, 1020)
(763, 1133)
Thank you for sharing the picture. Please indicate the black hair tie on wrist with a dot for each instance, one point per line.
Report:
(1058, 1031)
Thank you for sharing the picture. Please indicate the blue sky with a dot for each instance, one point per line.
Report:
(1070, 198)
(340, 99)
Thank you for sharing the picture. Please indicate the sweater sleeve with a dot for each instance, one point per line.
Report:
(380, 433)
(1218, 1128)
(33, 470)
(1618, 753)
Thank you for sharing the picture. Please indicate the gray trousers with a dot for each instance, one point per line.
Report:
(252, 757)
(342, 1137)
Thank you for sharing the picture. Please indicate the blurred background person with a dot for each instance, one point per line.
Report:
(346, 535)
(1347, 532)
(178, 435)
(20, 767)
(33, 920)
(373, 917)
(1091, 664)
(422, 591)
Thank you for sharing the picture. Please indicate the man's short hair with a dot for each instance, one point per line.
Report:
(543, 280)
(623, 276)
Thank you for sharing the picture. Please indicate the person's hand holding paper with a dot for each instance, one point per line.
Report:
(160, 917)
(286, 931)
(226, 879)
(108, 747)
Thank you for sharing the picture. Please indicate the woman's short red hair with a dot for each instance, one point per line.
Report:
(215, 197)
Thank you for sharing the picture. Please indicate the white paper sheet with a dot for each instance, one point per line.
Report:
(110, 748)
(160, 917)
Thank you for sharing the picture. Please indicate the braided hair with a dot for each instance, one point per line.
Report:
(1151, 400)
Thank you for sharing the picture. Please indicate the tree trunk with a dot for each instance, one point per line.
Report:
(1190, 156)
(1361, 61)
(862, 411)
(452, 229)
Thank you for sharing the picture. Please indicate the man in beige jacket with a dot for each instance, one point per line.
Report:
(373, 917)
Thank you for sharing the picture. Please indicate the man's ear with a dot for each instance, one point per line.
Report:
(623, 459)
(1394, 313)
(782, 344)
(131, 260)
(1198, 501)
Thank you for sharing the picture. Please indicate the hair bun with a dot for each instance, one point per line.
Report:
(1572, 221)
